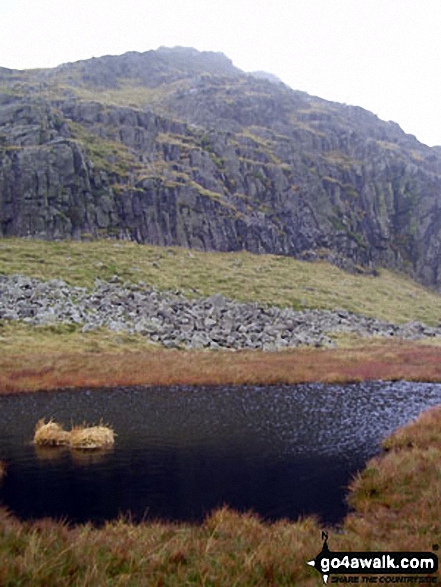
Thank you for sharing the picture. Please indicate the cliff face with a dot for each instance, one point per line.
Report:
(177, 147)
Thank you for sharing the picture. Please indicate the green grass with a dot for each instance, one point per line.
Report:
(19, 338)
(269, 279)
(130, 93)
(106, 154)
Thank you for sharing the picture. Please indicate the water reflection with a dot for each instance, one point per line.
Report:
(282, 451)
(51, 454)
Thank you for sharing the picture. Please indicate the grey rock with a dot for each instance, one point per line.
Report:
(177, 322)
(199, 340)
(209, 323)
(245, 164)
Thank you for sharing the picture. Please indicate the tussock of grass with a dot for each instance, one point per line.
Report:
(91, 437)
(80, 437)
(396, 508)
(422, 433)
(397, 496)
(50, 434)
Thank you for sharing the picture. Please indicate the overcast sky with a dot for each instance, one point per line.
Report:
(384, 55)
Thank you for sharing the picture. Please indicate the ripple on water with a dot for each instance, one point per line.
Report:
(282, 451)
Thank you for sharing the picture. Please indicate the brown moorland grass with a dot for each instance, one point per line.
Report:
(79, 437)
(424, 432)
(91, 437)
(375, 359)
(50, 434)
(397, 497)
(396, 508)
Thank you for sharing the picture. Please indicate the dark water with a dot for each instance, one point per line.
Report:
(281, 451)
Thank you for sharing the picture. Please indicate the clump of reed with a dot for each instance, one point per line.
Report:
(79, 437)
(91, 437)
(50, 434)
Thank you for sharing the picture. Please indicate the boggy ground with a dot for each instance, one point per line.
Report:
(54, 357)
(396, 506)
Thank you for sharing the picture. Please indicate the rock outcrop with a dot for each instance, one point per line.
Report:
(177, 147)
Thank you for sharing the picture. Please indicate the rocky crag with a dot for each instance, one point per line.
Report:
(174, 321)
(178, 147)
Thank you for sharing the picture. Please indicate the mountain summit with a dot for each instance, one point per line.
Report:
(148, 69)
(179, 147)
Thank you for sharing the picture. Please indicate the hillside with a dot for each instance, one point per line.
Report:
(266, 280)
(178, 147)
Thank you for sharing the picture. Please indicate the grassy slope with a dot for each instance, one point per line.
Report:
(268, 279)
(50, 357)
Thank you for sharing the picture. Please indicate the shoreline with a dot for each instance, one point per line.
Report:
(391, 511)
(391, 508)
(378, 359)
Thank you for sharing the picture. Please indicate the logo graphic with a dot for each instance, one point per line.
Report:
(373, 563)
(318, 559)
